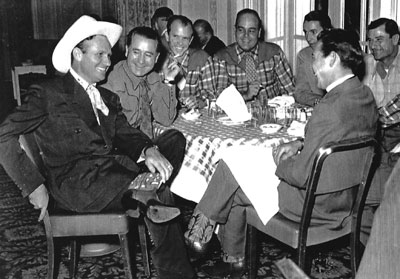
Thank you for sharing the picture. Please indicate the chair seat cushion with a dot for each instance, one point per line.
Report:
(287, 231)
(89, 224)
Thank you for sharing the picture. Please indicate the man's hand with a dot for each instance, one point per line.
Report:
(155, 161)
(170, 69)
(191, 102)
(252, 90)
(286, 150)
(40, 200)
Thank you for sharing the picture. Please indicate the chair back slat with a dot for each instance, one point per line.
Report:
(368, 143)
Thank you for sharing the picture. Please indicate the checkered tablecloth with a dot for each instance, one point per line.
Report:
(206, 137)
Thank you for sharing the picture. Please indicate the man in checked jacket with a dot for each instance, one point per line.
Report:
(272, 75)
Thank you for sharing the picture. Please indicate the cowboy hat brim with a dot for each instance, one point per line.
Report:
(84, 27)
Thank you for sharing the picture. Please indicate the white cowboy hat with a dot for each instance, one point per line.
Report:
(84, 27)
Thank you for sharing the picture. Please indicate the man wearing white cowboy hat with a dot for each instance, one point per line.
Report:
(89, 149)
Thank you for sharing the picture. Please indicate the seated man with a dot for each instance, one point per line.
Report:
(348, 110)
(256, 68)
(307, 91)
(383, 77)
(206, 38)
(143, 95)
(89, 149)
(159, 23)
(196, 80)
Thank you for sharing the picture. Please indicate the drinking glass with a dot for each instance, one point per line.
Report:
(290, 115)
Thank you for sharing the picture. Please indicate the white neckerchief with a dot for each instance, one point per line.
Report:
(94, 95)
(338, 81)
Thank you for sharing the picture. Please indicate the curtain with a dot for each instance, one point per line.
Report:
(133, 13)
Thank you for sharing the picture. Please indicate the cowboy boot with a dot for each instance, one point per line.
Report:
(141, 197)
(199, 233)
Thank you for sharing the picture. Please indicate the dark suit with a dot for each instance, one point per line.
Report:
(213, 45)
(88, 165)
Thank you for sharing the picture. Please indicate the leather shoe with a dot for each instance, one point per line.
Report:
(223, 269)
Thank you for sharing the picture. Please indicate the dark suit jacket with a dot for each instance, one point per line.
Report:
(214, 45)
(87, 165)
(347, 111)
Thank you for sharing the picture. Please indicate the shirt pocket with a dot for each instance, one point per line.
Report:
(130, 107)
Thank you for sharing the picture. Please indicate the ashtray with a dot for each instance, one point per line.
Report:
(270, 128)
(191, 115)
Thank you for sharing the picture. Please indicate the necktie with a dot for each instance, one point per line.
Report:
(251, 72)
(145, 109)
(97, 101)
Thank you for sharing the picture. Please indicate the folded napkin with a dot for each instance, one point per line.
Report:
(296, 129)
(256, 178)
(282, 101)
(231, 101)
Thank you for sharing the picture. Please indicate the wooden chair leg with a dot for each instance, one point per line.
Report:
(73, 258)
(50, 246)
(252, 251)
(143, 247)
(123, 240)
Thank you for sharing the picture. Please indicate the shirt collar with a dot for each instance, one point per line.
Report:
(241, 53)
(338, 82)
(134, 79)
(80, 79)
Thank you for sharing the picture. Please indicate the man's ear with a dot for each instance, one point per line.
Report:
(334, 58)
(126, 51)
(395, 39)
(167, 36)
(158, 55)
(77, 53)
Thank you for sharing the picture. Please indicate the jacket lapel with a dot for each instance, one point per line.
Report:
(79, 102)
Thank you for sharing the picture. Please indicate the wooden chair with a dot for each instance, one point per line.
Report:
(300, 235)
(74, 225)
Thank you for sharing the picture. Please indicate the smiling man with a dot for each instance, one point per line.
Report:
(255, 67)
(196, 79)
(307, 92)
(144, 96)
(90, 151)
(383, 77)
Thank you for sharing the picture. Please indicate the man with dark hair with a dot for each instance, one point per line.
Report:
(206, 38)
(90, 152)
(144, 98)
(348, 110)
(307, 91)
(159, 23)
(382, 76)
(196, 80)
(256, 68)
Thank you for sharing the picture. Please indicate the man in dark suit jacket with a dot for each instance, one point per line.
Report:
(89, 149)
(348, 110)
(205, 38)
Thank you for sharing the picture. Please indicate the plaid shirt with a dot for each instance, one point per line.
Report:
(198, 69)
(386, 90)
(390, 114)
(273, 69)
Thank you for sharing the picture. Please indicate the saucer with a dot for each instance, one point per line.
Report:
(270, 128)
